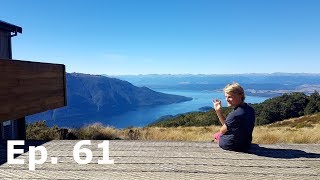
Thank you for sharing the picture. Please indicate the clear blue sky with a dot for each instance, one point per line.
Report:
(168, 36)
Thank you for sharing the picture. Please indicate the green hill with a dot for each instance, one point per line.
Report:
(299, 122)
(272, 110)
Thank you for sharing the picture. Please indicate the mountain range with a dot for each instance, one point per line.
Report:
(267, 85)
(91, 96)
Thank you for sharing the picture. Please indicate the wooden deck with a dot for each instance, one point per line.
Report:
(169, 160)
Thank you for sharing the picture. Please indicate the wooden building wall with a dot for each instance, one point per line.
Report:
(30, 87)
(5, 44)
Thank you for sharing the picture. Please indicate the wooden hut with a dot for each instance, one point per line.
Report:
(25, 87)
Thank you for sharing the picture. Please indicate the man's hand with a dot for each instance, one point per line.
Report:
(217, 104)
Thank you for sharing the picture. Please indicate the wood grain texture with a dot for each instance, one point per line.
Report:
(30, 87)
(169, 160)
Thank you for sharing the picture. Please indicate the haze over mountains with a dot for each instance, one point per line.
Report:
(268, 85)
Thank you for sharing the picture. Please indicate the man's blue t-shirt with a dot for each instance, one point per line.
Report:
(240, 124)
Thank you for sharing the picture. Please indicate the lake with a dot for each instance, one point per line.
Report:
(144, 116)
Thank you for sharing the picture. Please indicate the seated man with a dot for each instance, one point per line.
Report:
(236, 131)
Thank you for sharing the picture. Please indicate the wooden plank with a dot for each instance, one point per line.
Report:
(169, 160)
(29, 90)
(47, 100)
(34, 108)
(30, 87)
(14, 82)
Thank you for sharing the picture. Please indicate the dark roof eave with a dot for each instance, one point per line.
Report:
(10, 27)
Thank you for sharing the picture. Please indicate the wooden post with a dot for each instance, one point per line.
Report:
(18, 129)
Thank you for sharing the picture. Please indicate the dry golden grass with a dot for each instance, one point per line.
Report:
(97, 131)
(261, 134)
(297, 130)
(304, 129)
(271, 135)
(172, 134)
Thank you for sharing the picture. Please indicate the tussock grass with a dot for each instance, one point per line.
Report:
(40, 131)
(97, 131)
(297, 130)
(271, 135)
(175, 133)
(261, 134)
(304, 129)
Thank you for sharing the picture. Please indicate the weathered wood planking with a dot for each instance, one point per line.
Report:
(30, 87)
(168, 160)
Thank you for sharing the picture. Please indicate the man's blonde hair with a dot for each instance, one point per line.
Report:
(234, 88)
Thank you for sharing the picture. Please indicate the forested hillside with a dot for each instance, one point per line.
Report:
(272, 110)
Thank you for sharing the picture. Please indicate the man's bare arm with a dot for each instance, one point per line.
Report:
(224, 129)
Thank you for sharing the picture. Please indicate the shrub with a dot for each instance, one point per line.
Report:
(40, 131)
(97, 132)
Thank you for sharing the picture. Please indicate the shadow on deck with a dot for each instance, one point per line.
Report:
(281, 153)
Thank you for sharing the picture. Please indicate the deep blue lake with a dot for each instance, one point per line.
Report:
(144, 116)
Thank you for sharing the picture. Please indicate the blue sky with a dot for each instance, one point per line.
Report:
(168, 36)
